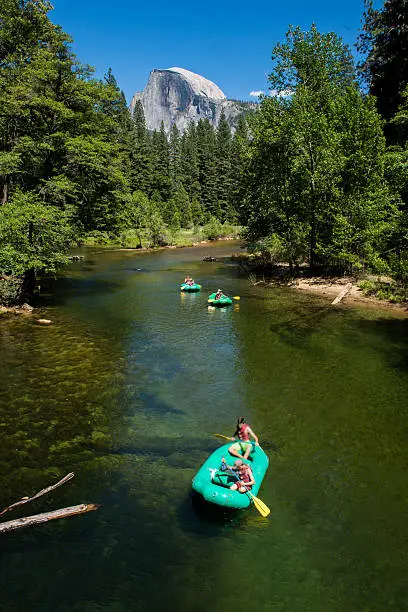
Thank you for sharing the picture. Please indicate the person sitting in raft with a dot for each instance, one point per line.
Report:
(219, 294)
(188, 281)
(245, 478)
(242, 446)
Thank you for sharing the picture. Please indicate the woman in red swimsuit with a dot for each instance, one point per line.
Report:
(242, 445)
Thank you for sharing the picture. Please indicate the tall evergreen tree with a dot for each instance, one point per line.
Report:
(189, 163)
(160, 177)
(223, 208)
(384, 41)
(174, 148)
(239, 157)
(141, 156)
(206, 148)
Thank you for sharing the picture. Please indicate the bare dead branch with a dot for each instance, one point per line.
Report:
(25, 500)
(37, 519)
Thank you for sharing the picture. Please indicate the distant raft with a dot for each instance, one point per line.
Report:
(213, 484)
(223, 301)
(195, 287)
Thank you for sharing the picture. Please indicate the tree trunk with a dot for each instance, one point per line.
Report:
(4, 195)
(30, 280)
(312, 252)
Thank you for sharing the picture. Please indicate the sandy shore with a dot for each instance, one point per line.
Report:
(332, 287)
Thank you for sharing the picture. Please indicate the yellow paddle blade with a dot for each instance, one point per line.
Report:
(223, 437)
(260, 506)
(236, 297)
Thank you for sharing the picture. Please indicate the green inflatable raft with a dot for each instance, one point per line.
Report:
(194, 287)
(223, 301)
(212, 484)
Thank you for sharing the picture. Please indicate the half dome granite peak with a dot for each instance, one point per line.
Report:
(177, 96)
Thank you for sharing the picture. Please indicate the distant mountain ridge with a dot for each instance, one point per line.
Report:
(177, 96)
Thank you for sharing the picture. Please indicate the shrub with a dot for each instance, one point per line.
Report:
(11, 290)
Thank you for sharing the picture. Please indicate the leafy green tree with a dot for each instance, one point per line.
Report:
(316, 172)
(34, 238)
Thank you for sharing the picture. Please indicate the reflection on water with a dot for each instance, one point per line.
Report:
(126, 388)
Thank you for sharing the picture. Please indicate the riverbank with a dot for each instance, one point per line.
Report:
(332, 287)
(355, 295)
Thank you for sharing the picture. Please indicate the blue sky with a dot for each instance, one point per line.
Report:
(229, 43)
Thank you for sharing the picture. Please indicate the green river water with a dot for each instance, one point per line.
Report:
(125, 389)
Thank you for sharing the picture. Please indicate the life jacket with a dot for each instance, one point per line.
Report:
(243, 433)
(243, 473)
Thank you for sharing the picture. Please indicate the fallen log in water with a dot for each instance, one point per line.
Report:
(342, 294)
(38, 519)
(25, 500)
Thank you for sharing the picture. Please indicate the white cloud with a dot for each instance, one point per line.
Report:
(285, 93)
(256, 94)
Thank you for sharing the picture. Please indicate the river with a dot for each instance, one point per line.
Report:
(126, 388)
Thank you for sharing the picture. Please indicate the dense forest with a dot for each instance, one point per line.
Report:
(318, 174)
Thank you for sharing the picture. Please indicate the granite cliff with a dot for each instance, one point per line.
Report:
(178, 96)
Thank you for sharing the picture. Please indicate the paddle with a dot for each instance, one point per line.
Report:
(258, 503)
(233, 439)
(224, 437)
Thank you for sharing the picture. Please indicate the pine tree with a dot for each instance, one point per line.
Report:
(206, 149)
(160, 176)
(174, 148)
(239, 156)
(189, 162)
(384, 40)
(224, 209)
(141, 155)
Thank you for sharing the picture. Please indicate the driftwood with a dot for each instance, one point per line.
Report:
(253, 281)
(25, 500)
(342, 294)
(37, 519)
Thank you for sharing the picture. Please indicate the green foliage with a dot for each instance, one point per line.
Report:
(33, 236)
(11, 290)
(385, 290)
(383, 41)
(316, 161)
(213, 229)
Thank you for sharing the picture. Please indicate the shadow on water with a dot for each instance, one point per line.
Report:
(165, 448)
(152, 403)
(298, 329)
(63, 289)
(394, 332)
(209, 518)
